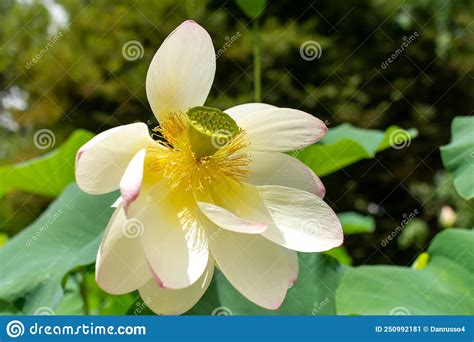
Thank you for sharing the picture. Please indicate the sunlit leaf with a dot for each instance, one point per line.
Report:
(47, 175)
(458, 156)
(66, 236)
(340, 254)
(443, 287)
(346, 144)
(415, 232)
(355, 223)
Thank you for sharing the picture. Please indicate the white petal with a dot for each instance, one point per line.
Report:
(281, 129)
(293, 264)
(241, 111)
(181, 73)
(176, 302)
(281, 169)
(296, 219)
(121, 266)
(175, 243)
(228, 220)
(101, 162)
(256, 267)
(131, 181)
(303, 221)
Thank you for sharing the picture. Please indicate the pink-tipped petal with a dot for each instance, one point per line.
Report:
(131, 181)
(228, 220)
(181, 73)
(176, 302)
(302, 220)
(281, 129)
(101, 162)
(256, 267)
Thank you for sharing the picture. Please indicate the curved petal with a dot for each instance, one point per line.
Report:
(303, 221)
(176, 302)
(174, 242)
(228, 220)
(281, 169)
(241, 111)
(281, 129)
(256, 267)
(101, 162)
(121, 266)
(296, 219)
(293, 264)
(131, 181)
(181, 73)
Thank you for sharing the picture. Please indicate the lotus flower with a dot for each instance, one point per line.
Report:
(215, 190)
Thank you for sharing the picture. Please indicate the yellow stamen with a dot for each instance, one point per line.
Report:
(182, 167)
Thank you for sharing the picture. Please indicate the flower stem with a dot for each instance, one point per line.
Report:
(257, 67)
